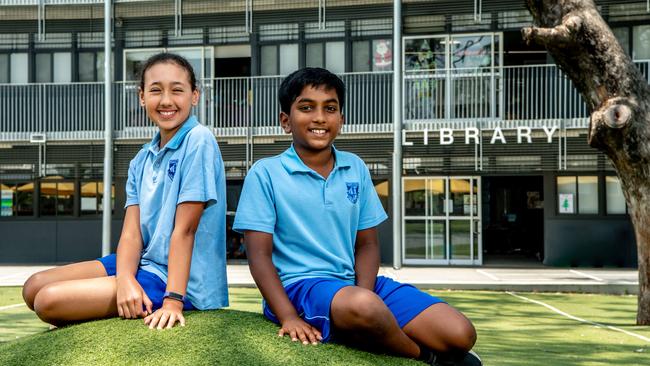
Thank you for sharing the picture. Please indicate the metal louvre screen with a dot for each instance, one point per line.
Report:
(122, 155)
(74, 161)
(18, 162)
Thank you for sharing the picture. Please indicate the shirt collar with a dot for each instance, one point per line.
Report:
(178, 137)
(292, 162)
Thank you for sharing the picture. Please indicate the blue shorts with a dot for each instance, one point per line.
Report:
(152, 285)
(312, 298)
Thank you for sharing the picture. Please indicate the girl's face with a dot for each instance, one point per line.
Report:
(168, 97)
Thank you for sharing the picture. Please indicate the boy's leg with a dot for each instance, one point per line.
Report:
(76, 271)
(65, 302)
(443, 329)
(361, 316)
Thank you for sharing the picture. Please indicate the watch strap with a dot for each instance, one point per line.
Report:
(174, 296)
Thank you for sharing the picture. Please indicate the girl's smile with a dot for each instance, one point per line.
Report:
(168, 98)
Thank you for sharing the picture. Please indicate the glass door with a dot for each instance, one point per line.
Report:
(441, 220)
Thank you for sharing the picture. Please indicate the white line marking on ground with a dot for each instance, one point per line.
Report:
(578, 319)
(488, 275)
(13, 275)
(7, 307)
(629, 282)
(586, 275)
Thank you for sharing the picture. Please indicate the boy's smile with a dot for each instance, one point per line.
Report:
(314, 120)
(168, 98)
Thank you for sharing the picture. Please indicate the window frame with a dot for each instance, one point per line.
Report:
(576, 209)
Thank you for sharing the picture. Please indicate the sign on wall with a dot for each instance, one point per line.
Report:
(566, 203)
(6, 202)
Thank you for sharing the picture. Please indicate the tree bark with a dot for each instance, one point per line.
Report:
(618, 98)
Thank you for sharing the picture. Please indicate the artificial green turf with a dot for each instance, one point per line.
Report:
(10, 296)
(17, 322)
(511, 332)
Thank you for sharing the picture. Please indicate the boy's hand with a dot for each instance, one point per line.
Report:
(165, 317)
(299, 329)
(131, 298)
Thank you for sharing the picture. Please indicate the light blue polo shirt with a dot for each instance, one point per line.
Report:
(188, 168)
(314, 221)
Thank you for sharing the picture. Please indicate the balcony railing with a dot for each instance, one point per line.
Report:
(508, 96)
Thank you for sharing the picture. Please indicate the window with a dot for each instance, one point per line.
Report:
(424, 54)
(269, 60)
(4, 68)
(360, 56)
(56, 197)
(315, 56)
(91, 66)
(614, 196)
(133, 61)
(92, 198)
(577, 194)
(18, 66)
(641, 42)
(16, 199)
(372, 55)
(54, 67)
(279, 59)
(288, 58)
(43, 68)
(330, 55)
(622, 35)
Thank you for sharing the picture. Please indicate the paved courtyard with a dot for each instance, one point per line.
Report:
(595, 280)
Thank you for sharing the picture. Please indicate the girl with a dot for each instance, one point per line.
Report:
(175, 208)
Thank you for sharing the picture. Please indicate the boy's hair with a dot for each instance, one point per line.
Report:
(167, 58)
(295, 82)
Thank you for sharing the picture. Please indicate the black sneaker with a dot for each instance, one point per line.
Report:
(469, 359)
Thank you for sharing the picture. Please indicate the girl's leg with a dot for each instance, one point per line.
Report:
(76, 271)
(65, 302)
(443, 329)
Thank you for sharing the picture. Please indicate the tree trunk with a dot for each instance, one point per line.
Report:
(618, 98)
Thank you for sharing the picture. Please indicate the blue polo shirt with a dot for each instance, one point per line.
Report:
(314, 221)
(188, 168)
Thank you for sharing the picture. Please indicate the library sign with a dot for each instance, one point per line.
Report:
(473, 135)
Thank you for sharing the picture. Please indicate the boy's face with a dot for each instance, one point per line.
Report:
(314, 120)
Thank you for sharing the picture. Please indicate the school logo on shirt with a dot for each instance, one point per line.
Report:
(171, 169)
(353, 191)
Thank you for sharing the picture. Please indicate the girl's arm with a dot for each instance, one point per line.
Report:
(366, 258)
(259, 246)
(130, 296)
(188, 215)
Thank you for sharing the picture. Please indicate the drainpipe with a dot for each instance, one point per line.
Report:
(107, 204)
(397, 134)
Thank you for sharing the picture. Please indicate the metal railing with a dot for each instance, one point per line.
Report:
(510, 96)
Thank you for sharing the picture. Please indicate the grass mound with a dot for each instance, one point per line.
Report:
(220, 337)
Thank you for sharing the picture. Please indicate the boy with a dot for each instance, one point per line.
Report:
(309, 218)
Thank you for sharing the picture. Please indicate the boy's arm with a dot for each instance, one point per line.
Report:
(259, 247)
(366, 258)
(188, 215)
(130, 296)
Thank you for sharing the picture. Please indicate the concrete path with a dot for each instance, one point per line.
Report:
(548, 279)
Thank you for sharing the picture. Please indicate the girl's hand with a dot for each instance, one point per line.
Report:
(297, 328)
(165, 317)
(131, 298)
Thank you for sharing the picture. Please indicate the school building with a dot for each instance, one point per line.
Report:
(494, 154)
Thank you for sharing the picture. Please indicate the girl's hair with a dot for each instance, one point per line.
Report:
(168, 58)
